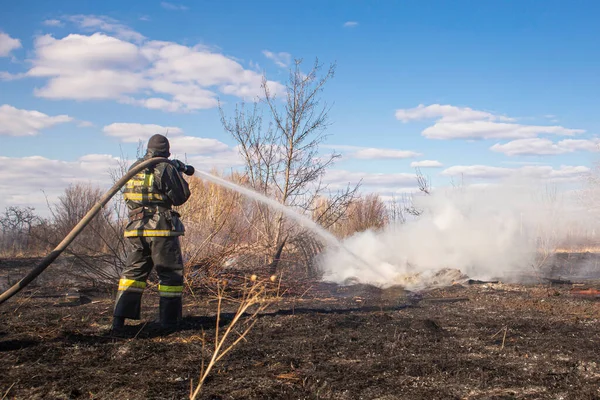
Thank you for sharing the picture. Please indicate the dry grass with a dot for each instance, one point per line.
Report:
(215, 224)
(223, 228)
(362, 213)
(579, 249)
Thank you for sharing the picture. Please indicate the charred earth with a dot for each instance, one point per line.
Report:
(470, 340)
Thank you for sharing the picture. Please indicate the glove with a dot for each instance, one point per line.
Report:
(180, 166)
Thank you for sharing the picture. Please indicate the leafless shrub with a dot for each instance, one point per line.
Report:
(17, 224)
(424, 185)
(97, 252)
(547, 233)
(364, 212)
(71, 207)
(396, 213)
(282, 159)
(300, 258)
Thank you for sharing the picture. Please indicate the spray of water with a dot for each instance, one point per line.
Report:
(484, 232)
(307, 223)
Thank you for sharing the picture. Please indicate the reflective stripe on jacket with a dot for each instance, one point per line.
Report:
(149, 195)
(141, 189)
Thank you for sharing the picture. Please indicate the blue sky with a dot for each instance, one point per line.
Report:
(485, 89)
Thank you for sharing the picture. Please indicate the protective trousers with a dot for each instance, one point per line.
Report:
(163, 253)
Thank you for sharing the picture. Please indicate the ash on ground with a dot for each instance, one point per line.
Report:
(318, 341)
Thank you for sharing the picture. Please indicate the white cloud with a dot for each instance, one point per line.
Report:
(340, 178)
(522, 162)
(223, 161)
(22, 183)
(181, 145)
(539, 146)
(492, 130)
(445, 113)
(564, 173)
(153, 74)
(8, 44)
(350, 24)
(580, 144)
(87, 67)
(379, 154)
(281, 59)
(426, 164)
(91, 85)
(7, 76)
(94, 23)
(132, 132)
(53, 22)
(76, 53)
(182, 102)
(533, 146)
(173, 7)
(372, 153)
(17, 122)
(465, 123)
(478, 171)
(85, 124)
(552, 118)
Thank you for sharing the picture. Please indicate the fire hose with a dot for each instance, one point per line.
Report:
(53, 255)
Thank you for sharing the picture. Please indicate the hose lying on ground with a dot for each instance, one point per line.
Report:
(49, 259)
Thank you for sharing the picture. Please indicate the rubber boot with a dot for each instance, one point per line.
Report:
(128, 305)
(170, 310)
(118, 323)
(118, 326)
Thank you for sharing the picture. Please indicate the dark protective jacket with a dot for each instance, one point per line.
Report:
(150, 194)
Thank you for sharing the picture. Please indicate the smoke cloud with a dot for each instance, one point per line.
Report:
(486, 232)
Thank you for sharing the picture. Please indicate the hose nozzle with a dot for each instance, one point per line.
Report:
(186, 169)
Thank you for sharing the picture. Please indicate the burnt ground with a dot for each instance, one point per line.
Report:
(470, 341)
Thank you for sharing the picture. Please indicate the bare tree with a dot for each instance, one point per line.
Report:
(16, 224)
(72, 206)
(424, 186)
(282, 159)
(396, 212)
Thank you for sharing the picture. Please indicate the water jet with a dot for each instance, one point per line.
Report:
(304, 221)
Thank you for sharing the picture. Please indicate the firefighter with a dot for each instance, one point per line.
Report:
(153, 237)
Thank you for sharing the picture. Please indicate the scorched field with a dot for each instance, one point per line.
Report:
(473, 340)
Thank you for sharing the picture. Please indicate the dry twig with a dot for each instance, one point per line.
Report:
(8, 390)
(505, 329)
(253, 295)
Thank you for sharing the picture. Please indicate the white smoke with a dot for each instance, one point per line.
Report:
(485, 232)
